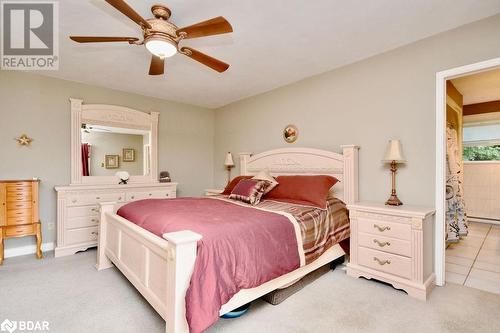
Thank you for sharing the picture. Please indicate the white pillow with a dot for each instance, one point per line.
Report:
(265, 175)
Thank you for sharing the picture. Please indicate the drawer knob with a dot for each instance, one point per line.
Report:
(94, 233)
(98, 198)
(381, 244)
(133, 197)
(381, 262)
(73, 201)
(94, 210)
(119, 198)
(381, 229)
(150, 194)
(93, 220)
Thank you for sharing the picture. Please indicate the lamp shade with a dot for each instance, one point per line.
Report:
(394, 152)
(229, 160)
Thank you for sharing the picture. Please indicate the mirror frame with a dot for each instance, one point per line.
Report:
(115, 116)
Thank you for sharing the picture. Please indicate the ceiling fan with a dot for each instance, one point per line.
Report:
(87, 128)
(161, 37)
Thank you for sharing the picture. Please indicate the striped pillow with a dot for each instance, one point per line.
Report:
(250, 190)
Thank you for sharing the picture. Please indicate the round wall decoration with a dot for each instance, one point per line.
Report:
(290, 133)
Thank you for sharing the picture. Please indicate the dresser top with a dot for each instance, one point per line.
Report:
(20, 181)
(403, 210)
(112, 186)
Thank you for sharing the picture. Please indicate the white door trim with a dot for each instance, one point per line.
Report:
(440, 231)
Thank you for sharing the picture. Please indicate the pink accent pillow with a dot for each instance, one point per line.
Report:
(229, 187)
(304, 190)
(250, 190)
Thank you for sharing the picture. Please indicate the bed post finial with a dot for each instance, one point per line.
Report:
(244, 158)
(350, 153)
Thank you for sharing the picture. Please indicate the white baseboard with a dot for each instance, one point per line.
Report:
(28, 249)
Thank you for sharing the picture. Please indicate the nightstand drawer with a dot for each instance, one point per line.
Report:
(385, 262)
(385, 244)
(384, 228)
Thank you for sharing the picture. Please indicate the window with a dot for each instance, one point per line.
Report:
(481, 143)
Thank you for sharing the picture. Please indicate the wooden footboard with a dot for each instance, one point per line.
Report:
(161, 269)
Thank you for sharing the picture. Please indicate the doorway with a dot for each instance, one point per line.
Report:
(442, 101)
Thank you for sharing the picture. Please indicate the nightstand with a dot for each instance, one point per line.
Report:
(210, 192)
(393, 244)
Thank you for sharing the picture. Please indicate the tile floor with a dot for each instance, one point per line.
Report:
(475, 260)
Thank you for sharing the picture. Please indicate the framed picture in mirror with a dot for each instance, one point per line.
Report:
(112, 161)
(128, 155)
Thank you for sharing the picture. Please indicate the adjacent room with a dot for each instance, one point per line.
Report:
(473, 181)
(249, 166)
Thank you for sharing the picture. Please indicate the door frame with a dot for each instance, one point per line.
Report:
(440, 225)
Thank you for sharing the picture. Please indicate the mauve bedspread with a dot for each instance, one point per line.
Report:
(242, 247)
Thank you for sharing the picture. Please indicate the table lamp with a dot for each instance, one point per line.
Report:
(394, 155)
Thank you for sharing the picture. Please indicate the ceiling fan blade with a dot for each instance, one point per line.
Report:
(95, 39)
(215, 26)
(128, 11)
(206, 60)
(157, 66)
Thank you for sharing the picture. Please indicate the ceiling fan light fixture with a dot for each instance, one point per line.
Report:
(161, 47)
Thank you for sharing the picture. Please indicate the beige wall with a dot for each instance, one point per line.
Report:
(39, 107)
(391, 95)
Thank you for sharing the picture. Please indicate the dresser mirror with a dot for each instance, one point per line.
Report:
(106, 139)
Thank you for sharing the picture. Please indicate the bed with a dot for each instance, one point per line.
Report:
(161, 267)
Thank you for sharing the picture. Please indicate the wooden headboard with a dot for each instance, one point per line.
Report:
(309, 161)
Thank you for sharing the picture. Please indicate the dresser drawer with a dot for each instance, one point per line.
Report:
(82, 211)
(20, 230)
(384, 228)
(88, 199)
(80, 222)
(19, 186)
(385, 262)
(20, 220)
(18, 212)
(18, 197)
(385, 244)
(19, 205)
(83, 235)
(140, 195)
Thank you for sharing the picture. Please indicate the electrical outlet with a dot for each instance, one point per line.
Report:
(51, 226)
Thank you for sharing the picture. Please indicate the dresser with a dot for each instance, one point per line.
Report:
(19, 212)
(78, 210)
(393, 244)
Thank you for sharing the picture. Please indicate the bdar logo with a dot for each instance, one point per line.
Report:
(8, 326)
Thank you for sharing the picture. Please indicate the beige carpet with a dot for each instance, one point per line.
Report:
(74, 297)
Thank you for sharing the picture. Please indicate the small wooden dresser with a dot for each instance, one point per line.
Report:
(393, 244)
(19, 212)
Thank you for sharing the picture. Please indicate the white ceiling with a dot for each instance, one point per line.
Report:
(479, 88)
(275, 42)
